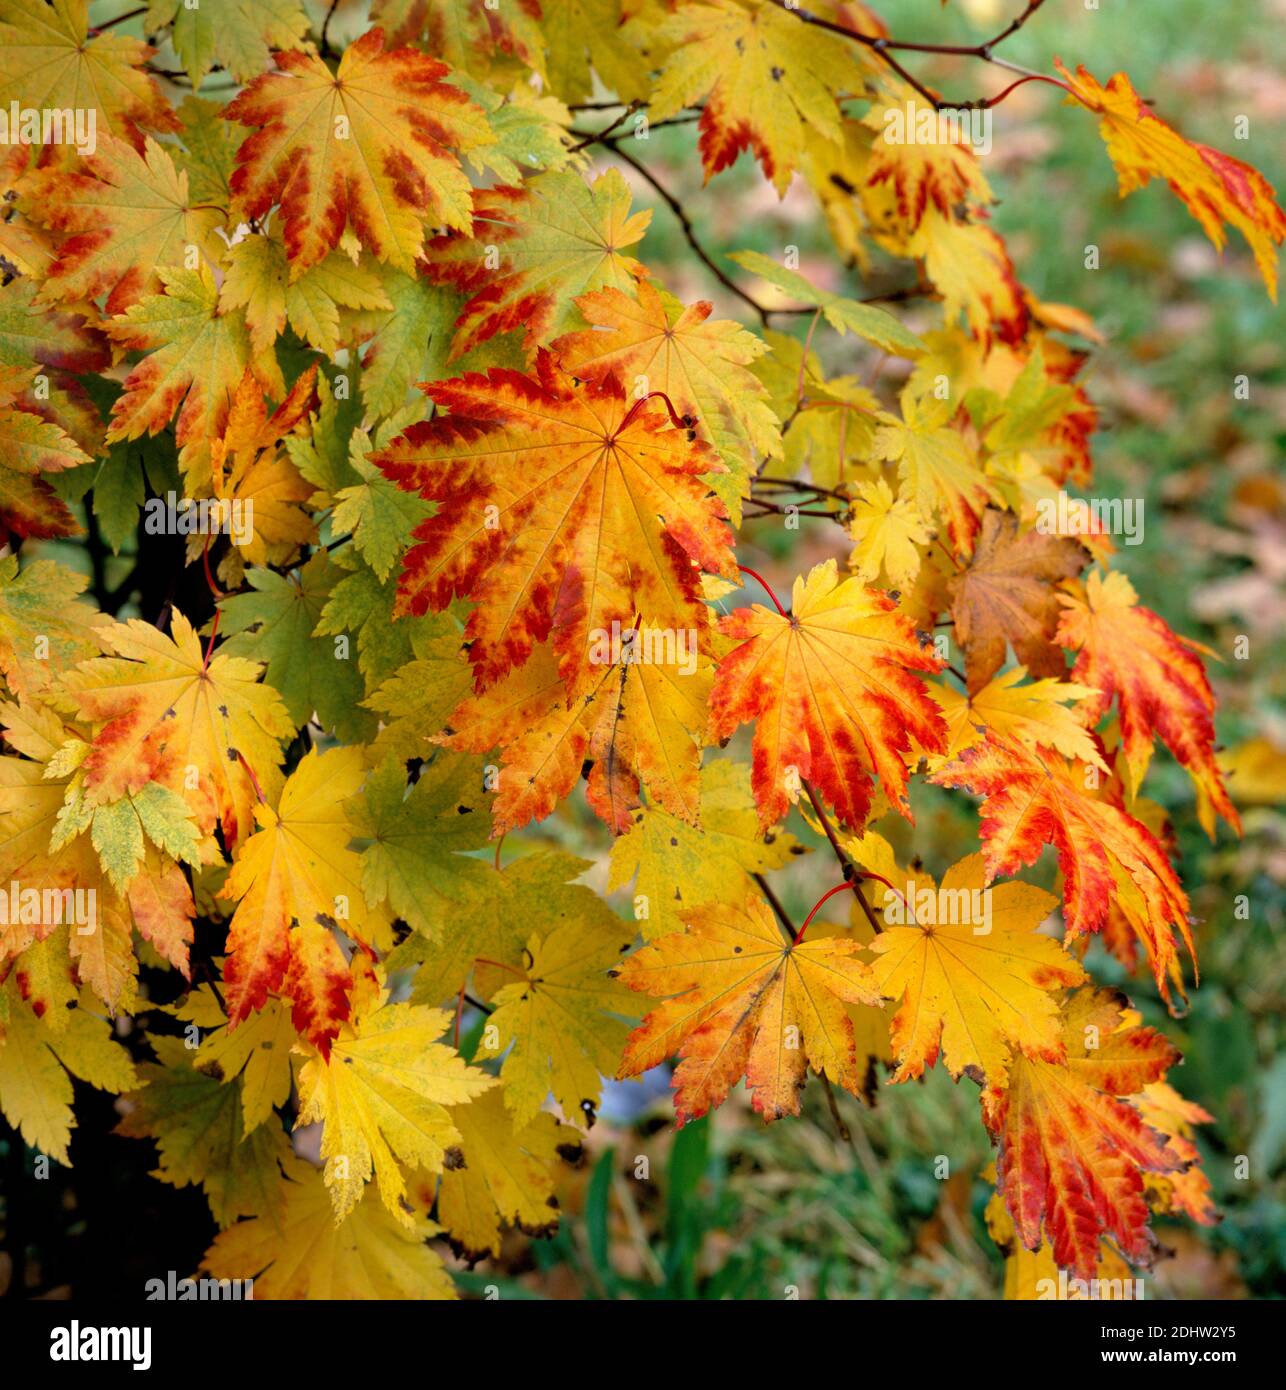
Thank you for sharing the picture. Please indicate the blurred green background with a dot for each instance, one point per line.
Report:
(732, 1207)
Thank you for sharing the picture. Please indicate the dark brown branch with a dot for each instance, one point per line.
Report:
(850, 872)
(595, 137)
(775, 903)
(120, 19)
(883, 49)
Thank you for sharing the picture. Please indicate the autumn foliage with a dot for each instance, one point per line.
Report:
(391, 299)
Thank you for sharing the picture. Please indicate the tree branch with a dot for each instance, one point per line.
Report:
(882, 48)
(849, 870)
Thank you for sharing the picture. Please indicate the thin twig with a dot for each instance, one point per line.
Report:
(325, 42)
(593, 137)
(120, 19)
(775, 903)
(883, 49)
(846, 864)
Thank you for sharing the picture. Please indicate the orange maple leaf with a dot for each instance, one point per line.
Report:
(128, 215)
(29, 447)
(1072, 1155)
(1006, 596)
(371, 146)
(638, 722)
(1215, 187)
(158, 708)
(1034, 797)
(745, 1000)
(1130, 654)
(830, 689)
(50, 58)
(532, 250)
(298, 881)
(560, 509)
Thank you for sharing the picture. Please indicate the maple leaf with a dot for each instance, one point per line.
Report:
(197, 1124)
(888, 531)
(1033, 798)
(254, 1057)
(676, 865)
(831, 426)
(1072, 1153)
(976, 990)
(465, 33)
(38, 850)
(208, 152)
(767, 82)
(583, 37)
(1036, 714)
(1187, 1191)
(30, 446)
(922, 162)
(259, 281)
(653, 343)
(369, 147)
(51, 61)
(380, 515)
(741, 1000)
(382, 1097)
(1215, 187)
(537, 893)
(157, 709)
(1129, 654)
(300, 1251)
(639, 722)
(418, 697)
(844, 315)
(127, 215)
(597, 513)
(53, 337)
(35, 1088)
(256, 482)
(296, 881)
(1007, 595)
(971, 269)
(238, 35)
(1032, 1274)
(937, 469)
(532, 250)
(554, 1022)
(507, 1177)
(416, 842)
(196, 357)
(279, 621)
(832, 692)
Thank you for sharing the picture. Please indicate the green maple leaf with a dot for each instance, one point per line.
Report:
(277, 623)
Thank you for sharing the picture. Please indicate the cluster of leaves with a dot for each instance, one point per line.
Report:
(379, 300)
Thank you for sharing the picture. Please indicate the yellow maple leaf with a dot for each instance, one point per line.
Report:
(738, 998)
(382, 1097)
(976, 978)
(301, 1252)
